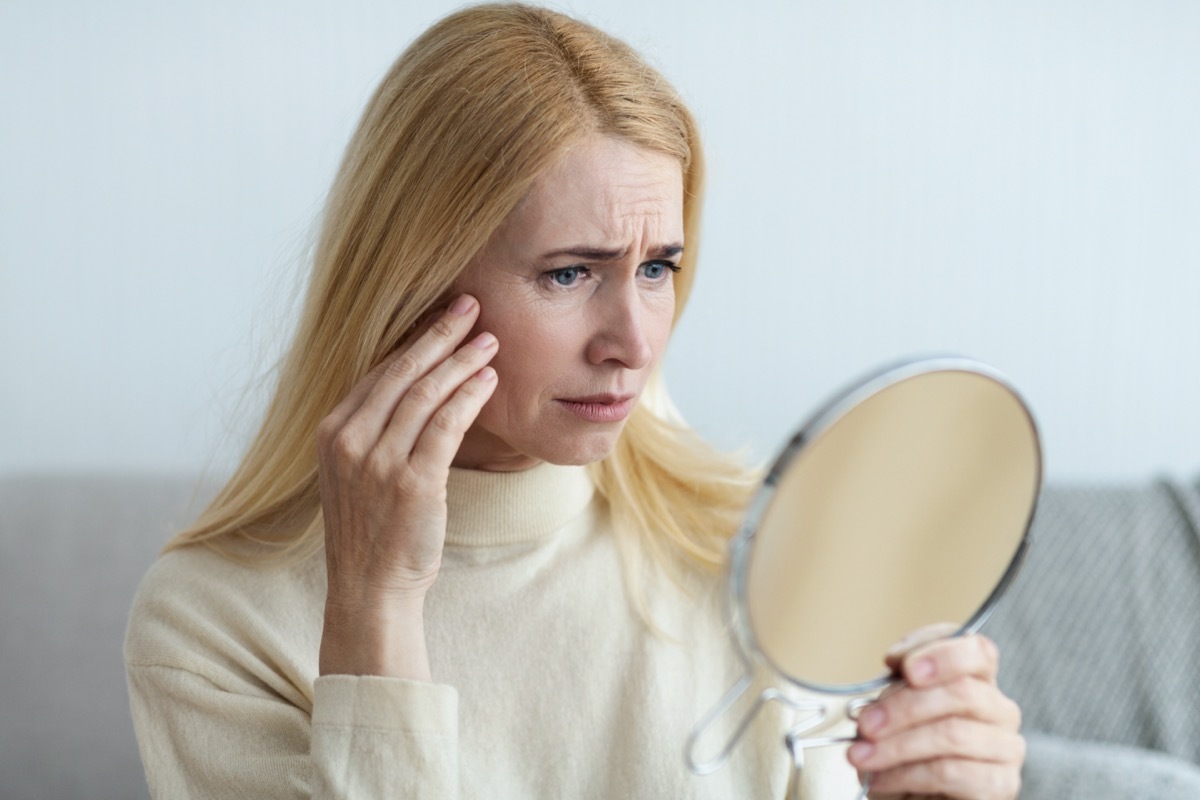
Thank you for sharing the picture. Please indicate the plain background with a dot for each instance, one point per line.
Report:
(1018, 181)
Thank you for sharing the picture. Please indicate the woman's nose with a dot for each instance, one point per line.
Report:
(620, 332)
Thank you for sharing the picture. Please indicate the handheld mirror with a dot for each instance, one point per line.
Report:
(903, 502)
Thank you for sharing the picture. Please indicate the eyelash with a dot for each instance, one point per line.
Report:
(550, 275)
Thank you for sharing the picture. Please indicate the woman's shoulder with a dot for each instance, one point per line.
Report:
(221, 613)
(219, 575)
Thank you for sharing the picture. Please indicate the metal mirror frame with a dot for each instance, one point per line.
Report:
(741, 547)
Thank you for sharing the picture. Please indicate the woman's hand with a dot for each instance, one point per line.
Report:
(949, 732)
(384, 457)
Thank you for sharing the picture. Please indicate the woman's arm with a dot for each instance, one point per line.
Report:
(367, 738)
(384, 457)
(213, 717)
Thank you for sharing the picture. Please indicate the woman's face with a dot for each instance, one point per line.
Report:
(577, 285)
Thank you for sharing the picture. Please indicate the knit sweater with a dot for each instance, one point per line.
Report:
(547, 684)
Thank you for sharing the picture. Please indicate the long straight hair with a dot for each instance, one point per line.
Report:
(463, 123)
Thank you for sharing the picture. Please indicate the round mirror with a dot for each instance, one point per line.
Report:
(906, 501)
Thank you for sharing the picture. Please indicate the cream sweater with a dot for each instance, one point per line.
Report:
(547, 684)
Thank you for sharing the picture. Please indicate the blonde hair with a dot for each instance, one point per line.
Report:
(453, 138)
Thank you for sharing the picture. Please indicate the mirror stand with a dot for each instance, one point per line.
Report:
(815, 715)
(797, 742)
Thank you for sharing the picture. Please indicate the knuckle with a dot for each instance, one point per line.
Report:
(1020, 749)
(954, 735)
(345, 445)
(377, 468)
(1018, 718)
(442, 328)
(407, 481)
(425, 391)
(327, 430)
(469, 358)
(405, 367)
(970, 694)
(947, 772)
(447, 420)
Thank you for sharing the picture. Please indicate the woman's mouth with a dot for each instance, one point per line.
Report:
(600, 407)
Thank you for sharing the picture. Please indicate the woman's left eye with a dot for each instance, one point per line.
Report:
(655, 270)
(567, 276)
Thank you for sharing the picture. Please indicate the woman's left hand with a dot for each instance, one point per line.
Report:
(948, 731)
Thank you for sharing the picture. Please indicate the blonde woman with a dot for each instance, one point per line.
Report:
(468, 553)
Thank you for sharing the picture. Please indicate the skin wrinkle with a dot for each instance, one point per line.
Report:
(605, 333)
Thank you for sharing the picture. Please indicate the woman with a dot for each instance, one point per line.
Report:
(467, 554)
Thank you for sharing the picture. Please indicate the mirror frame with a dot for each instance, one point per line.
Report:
(742, 546)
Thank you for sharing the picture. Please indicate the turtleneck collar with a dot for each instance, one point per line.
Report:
(488, 509)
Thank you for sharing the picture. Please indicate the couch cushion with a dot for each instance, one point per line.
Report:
(1100, 634)
(1068, 769)
(72, 550)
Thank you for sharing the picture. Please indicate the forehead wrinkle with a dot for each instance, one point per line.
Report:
(578, 204)
(621, 207)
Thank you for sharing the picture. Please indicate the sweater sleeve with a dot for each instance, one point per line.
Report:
(367, 738)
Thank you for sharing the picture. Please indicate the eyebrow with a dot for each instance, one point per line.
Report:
(600, 254)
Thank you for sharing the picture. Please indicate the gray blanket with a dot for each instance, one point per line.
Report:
(1100, 638)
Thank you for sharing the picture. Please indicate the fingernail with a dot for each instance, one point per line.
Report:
(872, 719)
(921, 670)
(861, 751)
(462, 305)
(484, 341)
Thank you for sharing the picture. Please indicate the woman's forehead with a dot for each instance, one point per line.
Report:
(603, 189)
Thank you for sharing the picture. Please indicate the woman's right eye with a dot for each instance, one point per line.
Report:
(567, 276)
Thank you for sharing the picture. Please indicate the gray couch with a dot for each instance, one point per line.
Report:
(1101, 636)
(1101, 643)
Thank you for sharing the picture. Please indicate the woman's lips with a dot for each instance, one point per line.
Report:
(600, 407)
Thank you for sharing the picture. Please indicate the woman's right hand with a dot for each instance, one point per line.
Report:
(384, 456)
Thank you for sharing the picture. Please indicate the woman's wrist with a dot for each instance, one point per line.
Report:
(386, 641)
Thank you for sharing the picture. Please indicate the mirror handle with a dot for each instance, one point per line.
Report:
(727, 702)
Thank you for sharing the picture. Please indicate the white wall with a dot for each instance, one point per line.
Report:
(1019, 181)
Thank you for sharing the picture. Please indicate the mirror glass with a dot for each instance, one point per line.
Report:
(903, 503)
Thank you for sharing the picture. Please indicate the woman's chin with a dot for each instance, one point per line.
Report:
(583, 449)
(576, 450)
(565, 445)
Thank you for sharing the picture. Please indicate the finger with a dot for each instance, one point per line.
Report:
(462, 306)
(947, 660)
(397, 373)
(950, 777)
(425, 398)
(952, 737)
(909, 707)
(921, 636)
(441, 438)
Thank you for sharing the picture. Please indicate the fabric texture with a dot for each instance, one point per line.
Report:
(1100, 637)
(1064, 769)
(548, 684)
(1100, 634)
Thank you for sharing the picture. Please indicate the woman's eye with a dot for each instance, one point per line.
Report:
(566, 276)
(655, 270)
